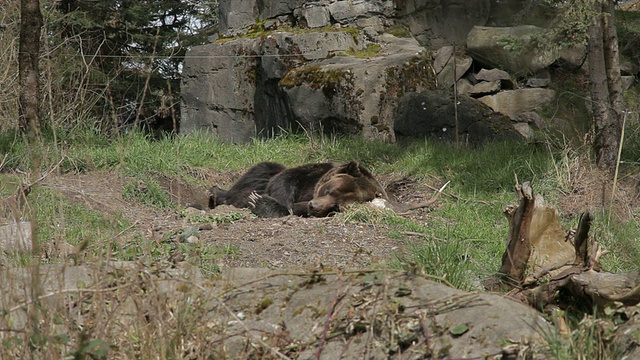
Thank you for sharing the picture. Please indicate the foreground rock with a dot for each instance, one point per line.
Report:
(16, 236)
(245, 313)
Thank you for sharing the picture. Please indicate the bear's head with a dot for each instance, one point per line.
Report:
(344, 185)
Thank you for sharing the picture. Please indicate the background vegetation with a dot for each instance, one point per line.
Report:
(106, 64)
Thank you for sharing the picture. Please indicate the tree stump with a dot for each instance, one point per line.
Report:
(538, 247)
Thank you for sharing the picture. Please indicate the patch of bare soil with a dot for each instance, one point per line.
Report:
(289, 242)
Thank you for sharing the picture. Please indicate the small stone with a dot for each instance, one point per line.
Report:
(16, 236)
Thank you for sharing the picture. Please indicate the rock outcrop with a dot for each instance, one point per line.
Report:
(329, 66)
(309, 81)
(353, 67)
(247, 313)
(486, 43)
(427, 114)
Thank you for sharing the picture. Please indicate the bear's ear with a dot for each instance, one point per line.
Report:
(353, 169)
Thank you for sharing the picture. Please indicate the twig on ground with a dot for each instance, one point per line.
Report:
(66, 291)
(544, 271)
(4, 161)
(48, 172)
(428, 202)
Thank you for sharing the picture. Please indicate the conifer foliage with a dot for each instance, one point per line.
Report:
(126, 55)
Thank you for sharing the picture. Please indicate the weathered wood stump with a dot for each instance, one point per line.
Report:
(546, 266)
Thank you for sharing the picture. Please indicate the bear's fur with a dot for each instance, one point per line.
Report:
(255, 179)
(344, 185)
(307, 190)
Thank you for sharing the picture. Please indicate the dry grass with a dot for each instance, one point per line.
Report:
(9, 65)
(123, 310)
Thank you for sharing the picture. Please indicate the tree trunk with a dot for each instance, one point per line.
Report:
(606, 90)
(612, 61)
(28, 58)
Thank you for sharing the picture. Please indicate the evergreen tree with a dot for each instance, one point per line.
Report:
(135, 49)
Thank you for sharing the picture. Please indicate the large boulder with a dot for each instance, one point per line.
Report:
(16, 236)
(485, 45)
(350, 95)
(296, 82)
(515, 102)
(223, 82)
(513, 49)
(247, 313)
(442, 22)
(432, 114)
(217, 92)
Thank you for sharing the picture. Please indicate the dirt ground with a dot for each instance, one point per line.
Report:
(294, 242)
(289, 242)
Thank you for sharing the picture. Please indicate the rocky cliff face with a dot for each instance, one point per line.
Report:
(299, 82)
(363, 67)
(330, 66)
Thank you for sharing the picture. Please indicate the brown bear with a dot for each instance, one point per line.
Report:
(307, 190)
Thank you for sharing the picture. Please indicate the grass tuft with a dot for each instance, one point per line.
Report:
(147, 191)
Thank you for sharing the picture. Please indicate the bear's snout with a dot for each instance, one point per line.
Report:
(320, 207)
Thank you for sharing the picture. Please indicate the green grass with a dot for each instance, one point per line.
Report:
(214, 219)
(69, 228)
(370, 51)
(204, 256)
(589, 337)
(470, 228)
(620, 238)
(147, 191)
(462, 244)
(400, 31)
(73, 223)
(135, 154)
